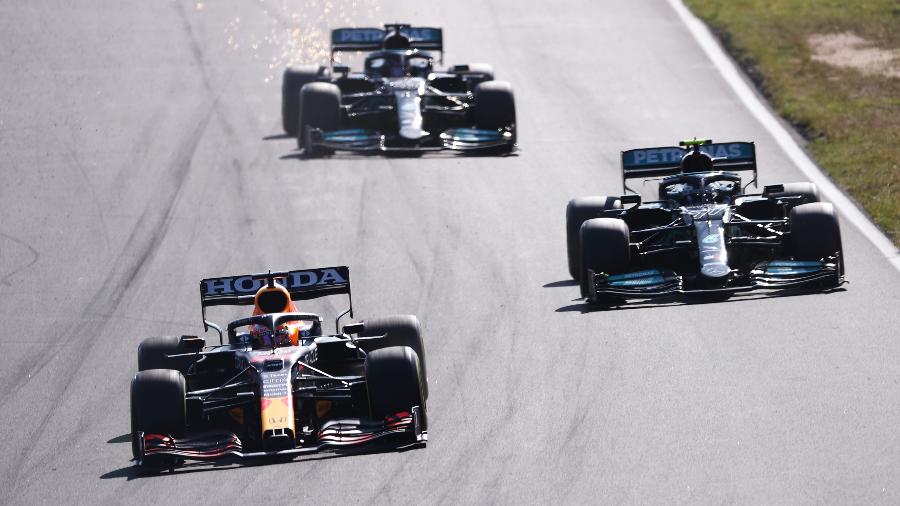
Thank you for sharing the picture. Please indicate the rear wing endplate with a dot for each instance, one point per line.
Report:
(372, 39)
(301, 284)
(666, 161)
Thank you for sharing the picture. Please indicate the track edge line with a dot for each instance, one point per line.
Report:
(728, 70)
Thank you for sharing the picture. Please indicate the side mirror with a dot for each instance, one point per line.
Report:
(341, 69)
(773, 188)
(353, 328)
(192, 343)
(630, 199)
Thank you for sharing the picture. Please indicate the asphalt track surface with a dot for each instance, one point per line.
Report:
(141, 152)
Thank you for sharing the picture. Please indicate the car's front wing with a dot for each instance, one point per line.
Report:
(371, 141)
(772, 275)
(335, 434)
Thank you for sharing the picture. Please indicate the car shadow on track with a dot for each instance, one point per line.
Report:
(132, 472)
(562, 283)
(278, 137)
(582, 306)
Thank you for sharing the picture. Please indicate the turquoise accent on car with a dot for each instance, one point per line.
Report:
(793, 267)
(352, 135)
(640, 278)
(471, 135)
(795, 263)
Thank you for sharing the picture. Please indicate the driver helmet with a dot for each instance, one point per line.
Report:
(386, 64)
(276, 299)
(273, 299)
(696, 161)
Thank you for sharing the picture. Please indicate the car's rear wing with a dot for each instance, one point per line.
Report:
(372, 39)
(666, 161)
(301, 284)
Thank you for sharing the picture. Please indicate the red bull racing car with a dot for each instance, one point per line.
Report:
(275, 385)
(399, 102)
(704, 235)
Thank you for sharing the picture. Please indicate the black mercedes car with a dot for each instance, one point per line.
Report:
(399, 101)
(704, 234)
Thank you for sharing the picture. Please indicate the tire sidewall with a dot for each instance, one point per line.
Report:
(158, 404)
(394, 381)
(293, 80)
(604, 247)
(319, 107)
(578, 211)
(398, 330)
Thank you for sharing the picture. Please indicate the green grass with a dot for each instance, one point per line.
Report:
(851, 120)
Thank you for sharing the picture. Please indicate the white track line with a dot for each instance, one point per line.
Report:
(803, 162)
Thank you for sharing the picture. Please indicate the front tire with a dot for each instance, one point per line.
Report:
(604, 248)
(291, 83)
(394, 381)
(815, 231)
(495, 106)
(398, 330)
(577, 212)
(320, 107)
(157, 405)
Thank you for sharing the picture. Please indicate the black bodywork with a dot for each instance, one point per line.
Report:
(704, 234)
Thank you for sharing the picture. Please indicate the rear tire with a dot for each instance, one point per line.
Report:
(815, 232)
(399, 330)
(604, 248)
(320, 107)
(153, 354)
(157, 405)
(495, 106)
(293, 80)
(808, 191)
(394, 381)
(577, 212)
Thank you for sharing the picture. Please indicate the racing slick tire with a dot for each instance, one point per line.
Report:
(320, 107)
(815, 232)
(153, 353)
(495, 106)
(157, 406)
(604, 247)
(394, 381)
(577, 212)
(293, 80)
(398, 330)
(809, 192)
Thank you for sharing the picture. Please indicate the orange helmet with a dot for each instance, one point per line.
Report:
(273, 299)
(276, 299)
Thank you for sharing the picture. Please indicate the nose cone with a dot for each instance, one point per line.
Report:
(410, 115)
(715, 270)
(412, 133)
(409, 108)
